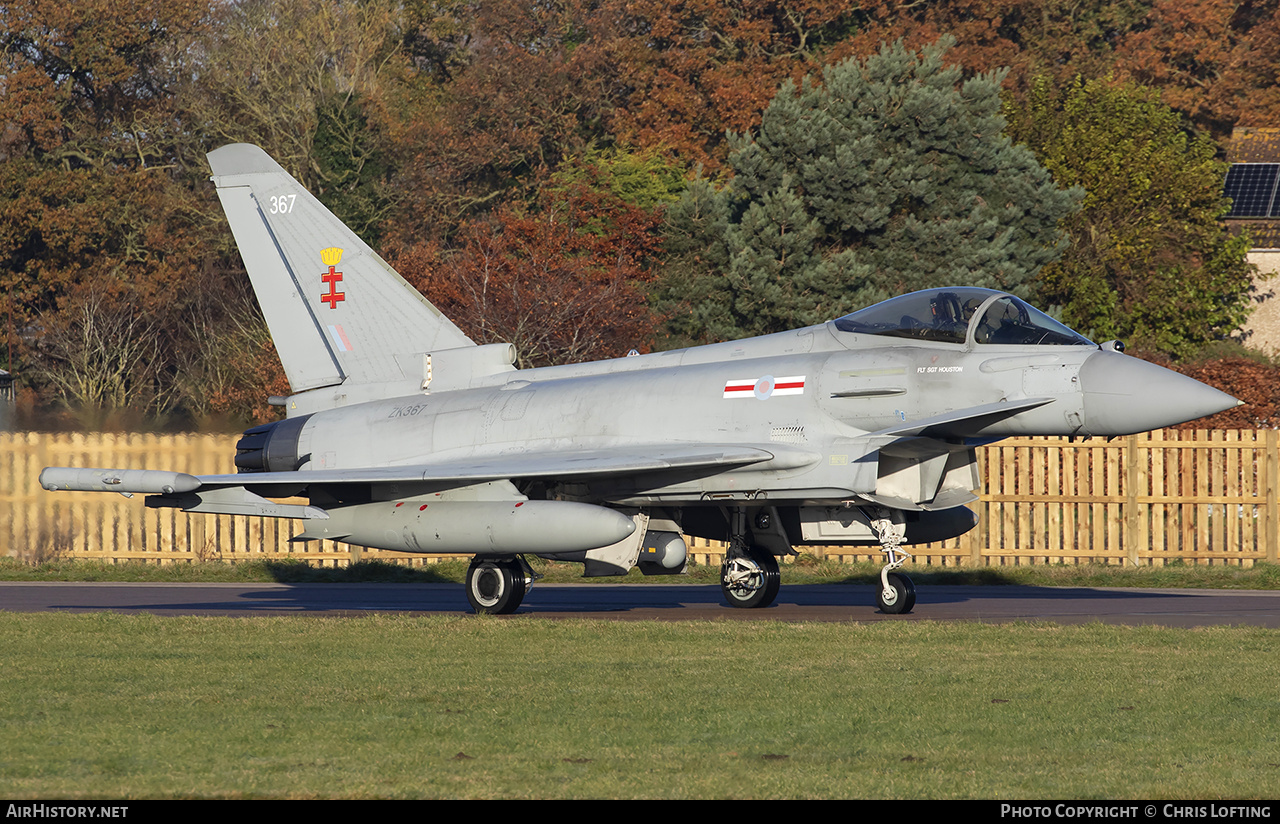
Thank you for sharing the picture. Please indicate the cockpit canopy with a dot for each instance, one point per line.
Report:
(952, 315)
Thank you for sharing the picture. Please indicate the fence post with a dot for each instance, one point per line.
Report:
(978, 541)
(1272, 522)
(1132, 517)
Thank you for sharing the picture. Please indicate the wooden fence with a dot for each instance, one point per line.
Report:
(1197, 496)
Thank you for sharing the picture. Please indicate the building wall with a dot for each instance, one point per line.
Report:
(1262, 330)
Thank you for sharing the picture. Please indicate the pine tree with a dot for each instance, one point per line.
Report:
(892, 174)
(778, 275)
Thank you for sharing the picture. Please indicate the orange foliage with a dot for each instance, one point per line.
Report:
(263, 377)
(1214, 60)
(101, 169)
(697, 68)
(535, 87)
(563, 283)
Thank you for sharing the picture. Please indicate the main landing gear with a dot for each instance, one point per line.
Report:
(896, 595)
(749, 577)
(496, 586)
(750, 580)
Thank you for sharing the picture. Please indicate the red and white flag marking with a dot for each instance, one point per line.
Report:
(339, 338)
(765, 387)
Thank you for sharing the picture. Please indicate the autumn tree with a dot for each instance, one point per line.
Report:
(1148, 260)
(480, 125)
(442, 128)
(305, 81)
(1212, 60)
(694, 70)
(103, 353)
(96, 234)
(644, 178)
(562, 280)
(1058, 38)
(891, 174)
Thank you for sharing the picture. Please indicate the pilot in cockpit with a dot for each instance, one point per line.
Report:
(951, 316)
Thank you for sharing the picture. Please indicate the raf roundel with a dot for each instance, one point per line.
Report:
(765, 387)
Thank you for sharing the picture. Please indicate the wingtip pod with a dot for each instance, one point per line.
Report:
(144, 481)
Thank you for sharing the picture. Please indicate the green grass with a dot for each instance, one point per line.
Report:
(135, 706)
(803, 570)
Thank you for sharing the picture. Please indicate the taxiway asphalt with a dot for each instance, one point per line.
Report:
(810, 602)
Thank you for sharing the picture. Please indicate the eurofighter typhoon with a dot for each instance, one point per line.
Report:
(405, 435)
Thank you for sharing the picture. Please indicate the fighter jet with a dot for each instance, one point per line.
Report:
(403, 434)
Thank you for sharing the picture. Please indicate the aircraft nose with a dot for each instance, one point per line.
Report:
(1124, 395)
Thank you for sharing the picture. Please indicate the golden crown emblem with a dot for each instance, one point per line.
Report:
(331, 256)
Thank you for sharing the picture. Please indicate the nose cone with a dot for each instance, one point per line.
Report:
(1124, 395)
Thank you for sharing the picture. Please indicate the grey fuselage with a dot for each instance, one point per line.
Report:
(821, 434)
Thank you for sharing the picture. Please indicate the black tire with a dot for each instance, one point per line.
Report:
(495, 587)
(766, 573)
(904, 595)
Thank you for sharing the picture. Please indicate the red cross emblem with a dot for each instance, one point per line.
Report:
(333, 296)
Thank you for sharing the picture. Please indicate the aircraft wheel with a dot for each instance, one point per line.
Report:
(904, 595)
(495, 587)
(751, 582)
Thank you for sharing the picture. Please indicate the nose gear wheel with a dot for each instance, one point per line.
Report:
(897, 594)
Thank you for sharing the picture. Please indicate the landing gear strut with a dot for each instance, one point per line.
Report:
(896, 595)
(749, 577)
(496, 586)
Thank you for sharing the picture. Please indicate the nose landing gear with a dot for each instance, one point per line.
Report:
(897, 594)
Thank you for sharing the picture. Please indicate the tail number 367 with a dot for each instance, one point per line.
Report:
(282, 204)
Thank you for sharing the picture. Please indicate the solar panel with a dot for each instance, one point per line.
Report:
(1275, 200)
(1252, 189)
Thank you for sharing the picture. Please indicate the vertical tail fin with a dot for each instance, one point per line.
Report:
(337, 312)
